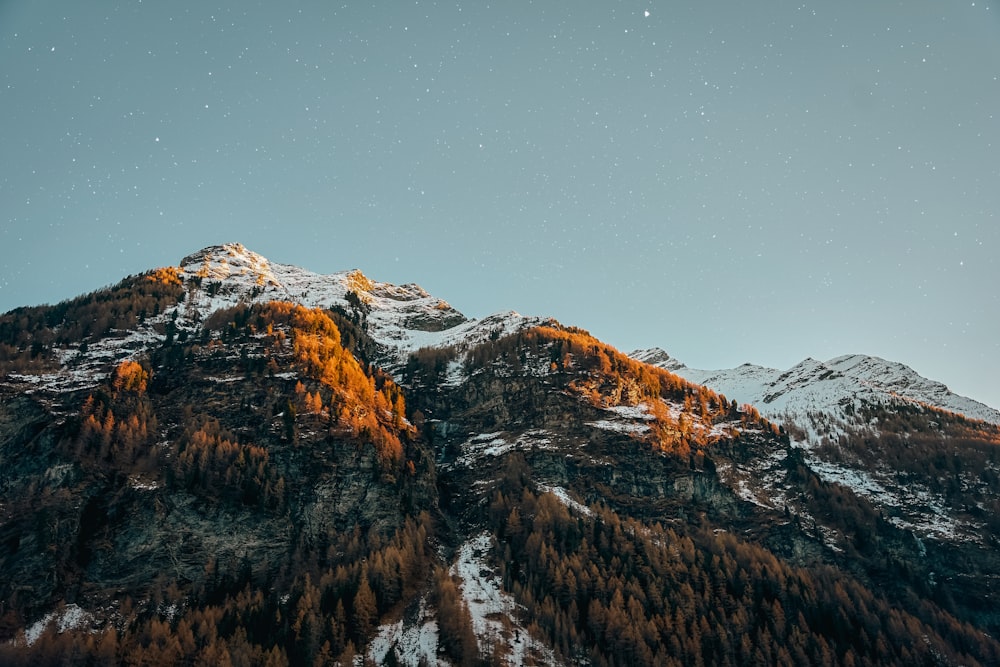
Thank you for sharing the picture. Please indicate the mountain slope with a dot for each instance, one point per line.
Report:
(901, 442)
(875, 426)
(236, 460)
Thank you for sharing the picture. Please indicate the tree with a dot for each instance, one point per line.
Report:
(365, 609)
(288, 420)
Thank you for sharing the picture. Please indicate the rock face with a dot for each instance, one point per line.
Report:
(202, 469)
(241, 458)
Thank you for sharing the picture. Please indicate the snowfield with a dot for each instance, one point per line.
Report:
(497, 444)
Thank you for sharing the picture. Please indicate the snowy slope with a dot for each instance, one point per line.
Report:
(836, 387)
(231, 274)
(401, 318)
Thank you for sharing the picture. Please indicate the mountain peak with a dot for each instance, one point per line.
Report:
(399, 317)
(225, 252)
(220, 262)
(234, 260)
(656, 356)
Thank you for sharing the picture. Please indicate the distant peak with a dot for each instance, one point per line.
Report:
(656, 356)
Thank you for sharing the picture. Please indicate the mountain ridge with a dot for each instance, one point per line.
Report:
(777, 392)
(400, 310)
(404, 318)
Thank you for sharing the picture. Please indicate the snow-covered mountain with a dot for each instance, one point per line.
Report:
(838, 387)
(401, 318)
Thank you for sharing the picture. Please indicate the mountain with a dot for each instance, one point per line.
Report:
(238, 461)
(400, 318)
(834, 388)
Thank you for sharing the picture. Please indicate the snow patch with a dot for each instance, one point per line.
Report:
(564, 497)
(412, 644)
(484, 444)
(619, 427)
(856, 480)
(640, 411)
(630, 419)
(497, 444)
(69, 617)
(140, 483)
(758, 481)
(494, 612)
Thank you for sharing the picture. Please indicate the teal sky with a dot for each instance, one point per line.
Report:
(730, 181)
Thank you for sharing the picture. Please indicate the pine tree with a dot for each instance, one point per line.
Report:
(365, 609)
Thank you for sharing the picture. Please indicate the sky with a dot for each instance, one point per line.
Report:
(730, 181)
